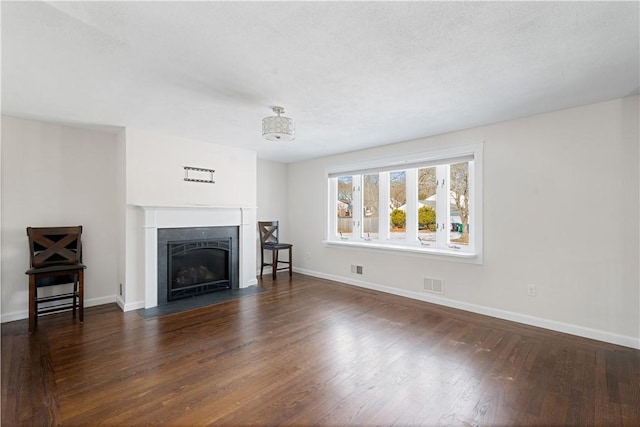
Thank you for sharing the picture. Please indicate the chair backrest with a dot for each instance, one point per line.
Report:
(268, 232)
(55, 245)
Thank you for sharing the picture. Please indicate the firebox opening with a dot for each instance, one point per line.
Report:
(197, 267)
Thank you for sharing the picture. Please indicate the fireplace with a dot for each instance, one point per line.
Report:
(198, 267)
(148, 273)
(196, 260)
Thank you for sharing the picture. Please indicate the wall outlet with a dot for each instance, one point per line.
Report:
(353, 269)
(358, 269)
(531, 290)
(120, 289)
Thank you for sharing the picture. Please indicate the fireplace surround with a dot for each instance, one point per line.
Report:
(196, 260)
(155, 217)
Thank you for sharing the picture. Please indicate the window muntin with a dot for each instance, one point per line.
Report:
(440, 197)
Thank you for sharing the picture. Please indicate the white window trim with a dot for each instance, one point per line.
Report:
(414, 160)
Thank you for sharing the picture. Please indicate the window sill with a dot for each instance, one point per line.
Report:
(420, 250)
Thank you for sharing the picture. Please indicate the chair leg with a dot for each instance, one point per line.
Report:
(33, 303)
(261, 261)
(81, 295)
(75, 295)
(274, 267)
(291, 262)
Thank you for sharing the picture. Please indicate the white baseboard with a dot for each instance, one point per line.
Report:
(553, 325)
(19, 315)
(129, 306)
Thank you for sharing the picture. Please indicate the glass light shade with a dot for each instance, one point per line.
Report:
(278, 128)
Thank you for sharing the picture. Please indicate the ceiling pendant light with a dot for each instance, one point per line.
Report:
(278, 128)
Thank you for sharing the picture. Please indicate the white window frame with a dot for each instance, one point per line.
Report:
(410, 162)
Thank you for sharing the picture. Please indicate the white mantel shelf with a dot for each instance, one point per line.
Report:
(159, 206)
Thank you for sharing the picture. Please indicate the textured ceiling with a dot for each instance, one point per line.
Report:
(352, 74)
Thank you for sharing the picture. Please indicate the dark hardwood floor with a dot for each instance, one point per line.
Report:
(311, 352)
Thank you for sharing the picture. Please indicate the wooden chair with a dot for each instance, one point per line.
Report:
(269, 242)
(55, 259)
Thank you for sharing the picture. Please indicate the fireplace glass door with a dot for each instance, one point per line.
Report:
(198, 266)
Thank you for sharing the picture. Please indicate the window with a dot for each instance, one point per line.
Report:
(427, 202)
(344, 206)
(427, 205)
(370, 206)
(397, 203)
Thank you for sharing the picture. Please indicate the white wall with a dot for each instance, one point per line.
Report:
(121, 206)
(561, 195)
(56, 175)
(155, 173)
(273, 198)
(155, 176)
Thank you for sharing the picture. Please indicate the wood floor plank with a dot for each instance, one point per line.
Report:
(311, 352)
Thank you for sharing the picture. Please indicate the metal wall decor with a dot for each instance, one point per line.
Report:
(198, 175)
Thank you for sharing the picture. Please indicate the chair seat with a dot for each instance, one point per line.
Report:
(277, 245)
(55, 268)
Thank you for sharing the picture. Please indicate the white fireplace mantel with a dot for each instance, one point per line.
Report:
(160, 216)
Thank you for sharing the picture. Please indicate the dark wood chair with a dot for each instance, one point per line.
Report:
(55, 259)
(269, 242)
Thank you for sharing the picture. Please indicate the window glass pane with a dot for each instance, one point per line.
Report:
(397, 204)
(344, 206)
(427, 204)
(459, 196)
(370, 202)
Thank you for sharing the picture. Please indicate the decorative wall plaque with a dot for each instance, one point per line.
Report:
(199, 175)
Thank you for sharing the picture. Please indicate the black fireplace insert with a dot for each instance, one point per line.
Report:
(198, 267)
(198, 260)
